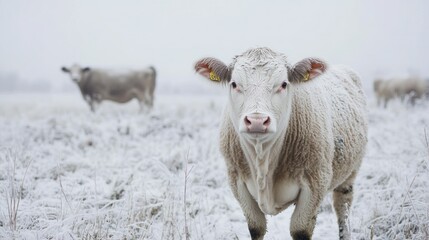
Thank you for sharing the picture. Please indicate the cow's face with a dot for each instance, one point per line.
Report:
(260, 84)
(258, 94)
(376, 84)
(76, 72)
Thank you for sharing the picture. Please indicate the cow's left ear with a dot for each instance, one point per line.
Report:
(86, 69)
(307, 69)
(64, 69)
(213, 69)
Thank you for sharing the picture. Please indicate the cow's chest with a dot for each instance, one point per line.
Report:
(273, 200)
(272, 194)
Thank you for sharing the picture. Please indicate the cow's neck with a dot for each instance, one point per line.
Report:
(263, 159)
(84, 85)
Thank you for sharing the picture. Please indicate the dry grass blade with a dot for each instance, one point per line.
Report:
(14, 193)
(187, 234)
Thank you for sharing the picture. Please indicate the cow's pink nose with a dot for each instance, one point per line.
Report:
(257, 123)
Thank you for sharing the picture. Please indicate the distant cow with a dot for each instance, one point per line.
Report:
(289, 135)
(411, 88)
(385, 90)
(97, 85)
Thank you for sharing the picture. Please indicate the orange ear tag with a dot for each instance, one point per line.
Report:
(214, 77)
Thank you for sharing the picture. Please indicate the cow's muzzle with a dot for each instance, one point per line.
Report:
(257, 122)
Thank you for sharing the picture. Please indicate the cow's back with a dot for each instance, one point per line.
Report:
(119, 87)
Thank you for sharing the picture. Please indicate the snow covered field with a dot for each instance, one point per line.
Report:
(118, 174)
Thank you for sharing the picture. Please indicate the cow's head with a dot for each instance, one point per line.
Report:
(76, 72)
(261, 84)
(377, 83)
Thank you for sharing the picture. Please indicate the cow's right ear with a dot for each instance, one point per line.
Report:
(64, 69)
(307, 69)
(213, 69)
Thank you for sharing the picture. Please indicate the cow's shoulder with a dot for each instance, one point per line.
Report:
(231, 148)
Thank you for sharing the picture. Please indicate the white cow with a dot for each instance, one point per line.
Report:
(289, 135)
(413, 88)
(98, 84)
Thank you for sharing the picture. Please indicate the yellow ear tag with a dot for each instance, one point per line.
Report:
(307, 76)
(214, 77)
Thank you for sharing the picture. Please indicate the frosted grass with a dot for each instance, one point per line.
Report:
(118, 174)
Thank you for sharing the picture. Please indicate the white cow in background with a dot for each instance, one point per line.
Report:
(411, 89)
(97, 85)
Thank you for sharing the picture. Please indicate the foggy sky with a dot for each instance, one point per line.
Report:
(376, 38)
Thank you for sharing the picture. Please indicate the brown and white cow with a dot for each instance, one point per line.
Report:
(98, 84)
(289, 135)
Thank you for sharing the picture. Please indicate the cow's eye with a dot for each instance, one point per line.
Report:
(284, 85)
(234, 85)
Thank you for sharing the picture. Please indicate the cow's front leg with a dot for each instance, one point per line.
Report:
(88, 99)
(148, 98)
(141, 106)
(305, 213)
(92, 105)
(95, 102)
(255, 218)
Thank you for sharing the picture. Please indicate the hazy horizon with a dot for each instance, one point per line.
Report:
(376, 38)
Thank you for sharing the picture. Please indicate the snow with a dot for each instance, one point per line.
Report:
(118, 174)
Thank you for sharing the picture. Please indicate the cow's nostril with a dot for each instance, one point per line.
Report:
(267, 122)
(247, 121)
